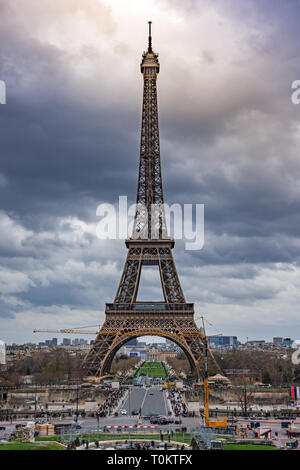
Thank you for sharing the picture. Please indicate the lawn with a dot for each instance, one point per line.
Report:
(152, 369)
(178, 437)
(30, 446)
(249, 447)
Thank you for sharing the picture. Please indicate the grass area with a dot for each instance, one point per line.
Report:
(152, 369)
(178, 437)
(30, 446)
(249, 447)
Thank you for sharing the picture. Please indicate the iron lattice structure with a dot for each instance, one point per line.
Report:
(149, 245)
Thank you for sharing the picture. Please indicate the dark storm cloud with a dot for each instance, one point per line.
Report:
(56, 150)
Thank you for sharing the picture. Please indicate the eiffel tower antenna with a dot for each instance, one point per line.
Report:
(150, 245)
(150, 37)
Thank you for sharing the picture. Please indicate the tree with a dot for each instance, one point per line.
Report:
(245, 398)
(266, 378)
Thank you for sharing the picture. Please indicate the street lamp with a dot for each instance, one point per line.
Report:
(129, 401)
(77, 396)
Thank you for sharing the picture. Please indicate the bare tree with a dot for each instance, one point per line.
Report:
(245, 398)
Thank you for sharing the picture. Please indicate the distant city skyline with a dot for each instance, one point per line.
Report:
(276, 340)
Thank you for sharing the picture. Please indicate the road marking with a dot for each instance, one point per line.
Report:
(166, 407)
(144, 400)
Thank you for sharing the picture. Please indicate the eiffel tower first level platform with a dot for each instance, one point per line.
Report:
(173, 318)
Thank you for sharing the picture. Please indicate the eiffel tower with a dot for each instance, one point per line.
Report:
(149, 245)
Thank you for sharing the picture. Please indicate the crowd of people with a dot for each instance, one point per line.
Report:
(178, 406)
(111, 402)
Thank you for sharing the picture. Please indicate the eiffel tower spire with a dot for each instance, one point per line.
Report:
(149, 222)
(149, 37)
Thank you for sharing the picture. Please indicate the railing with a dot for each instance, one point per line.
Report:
(153, 306)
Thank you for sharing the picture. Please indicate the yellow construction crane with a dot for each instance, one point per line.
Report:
(212, 424)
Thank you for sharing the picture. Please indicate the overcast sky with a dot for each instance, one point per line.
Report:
(69, 140)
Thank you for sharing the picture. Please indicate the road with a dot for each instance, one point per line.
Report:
(150, 400)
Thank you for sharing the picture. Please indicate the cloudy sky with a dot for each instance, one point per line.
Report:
(69, 140)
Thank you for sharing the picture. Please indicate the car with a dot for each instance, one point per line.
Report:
(135, 412)
(154, 420)
(76, 426)
(151, 393)
(123, 411)
(167, 420)
(2, 428)
(122, 447)
(146, 417)
(159, 420)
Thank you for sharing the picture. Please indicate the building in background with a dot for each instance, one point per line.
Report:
(53, 343)
(153, 355)
(133, 351)
(288, 342)
(223, 341)
(66, 342)
(277, 341)
(2, 353)
(256, 343)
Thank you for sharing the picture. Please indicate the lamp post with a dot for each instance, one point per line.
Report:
(35, 400)
(77, 396)
(129, 401)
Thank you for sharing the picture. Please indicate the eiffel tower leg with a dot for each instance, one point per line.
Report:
(95, 361)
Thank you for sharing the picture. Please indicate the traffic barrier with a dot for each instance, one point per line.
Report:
(131, 427)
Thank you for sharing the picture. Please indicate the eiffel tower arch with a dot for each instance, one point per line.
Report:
(126, 318)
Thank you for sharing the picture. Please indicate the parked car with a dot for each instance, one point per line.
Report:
(159, 420)
(147, 417)
(163, 421)
(123, 411)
